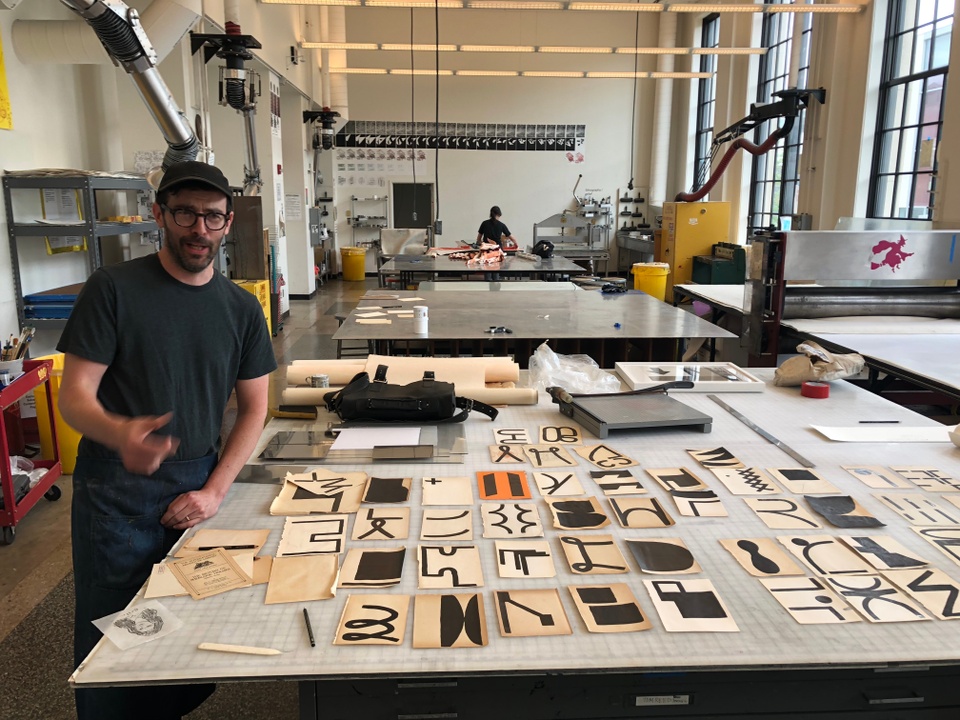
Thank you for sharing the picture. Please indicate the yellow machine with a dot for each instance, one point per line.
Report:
(690, 229)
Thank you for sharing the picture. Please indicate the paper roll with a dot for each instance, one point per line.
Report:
(468, 370)
(491, 396)
(339, 373)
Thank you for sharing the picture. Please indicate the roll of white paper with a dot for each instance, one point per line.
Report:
(420, 319)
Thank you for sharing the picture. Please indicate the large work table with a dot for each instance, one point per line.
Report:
(408, 266)
(598, 324)
(773, 667)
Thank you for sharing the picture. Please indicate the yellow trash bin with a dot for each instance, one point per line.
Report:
(67, 438)
(651, 278)
(353, 261)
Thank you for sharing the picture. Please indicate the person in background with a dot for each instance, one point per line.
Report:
(153, 350)
(493, 231)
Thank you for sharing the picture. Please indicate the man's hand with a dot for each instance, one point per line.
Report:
(141, 449)
(191, 508)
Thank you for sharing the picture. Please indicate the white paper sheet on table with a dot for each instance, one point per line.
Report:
(885, 433)
(139, 624)
(367, 438)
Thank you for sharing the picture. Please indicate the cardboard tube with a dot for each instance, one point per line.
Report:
(404, 370)
(491, 396)
(339, 374)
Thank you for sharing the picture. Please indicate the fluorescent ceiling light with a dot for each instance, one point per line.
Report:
(514, 5)
(358, 71)
(498, 48)
(716, 8)
(575, 49)
(618, 74)
(414, 3)
(621, 6)
(341, 3)
(729, 51)
(552, 73)
(681, 75)
(427, 47)
(487, 73)
(408, 71)
(820, 8)
(651, 51)
(338, 46)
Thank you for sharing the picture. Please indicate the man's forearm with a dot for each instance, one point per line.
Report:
(237, 450)
(91, 420)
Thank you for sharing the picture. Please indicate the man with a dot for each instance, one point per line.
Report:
(492, 230)
(153, 349)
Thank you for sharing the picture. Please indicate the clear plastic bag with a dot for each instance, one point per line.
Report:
(574, 373)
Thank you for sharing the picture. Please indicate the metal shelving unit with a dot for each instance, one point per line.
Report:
(368, 213)
(90, 227)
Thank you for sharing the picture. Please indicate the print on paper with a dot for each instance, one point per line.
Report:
(875, 598)
(617, 482)
(529, 613)
(444, 567)
(510, 520)
(842, 511)
(761, 557)
(524, 558)
(746, 481)
(342, 492)
(825, 555)
(381, 524)
(593, 555)
(387, 490)
(932, 588)
(716, 458)
(809, 601)
(640, 513)
(605, 457)
(506, 454)
(698, 503)
(876, 477)
(564, 434)
(676, 479)
(690, 606)
(929, 479)
(558, 483)
(883, 552)
(449, 621)
(548, 456)
(782, 513)
(802, 481)
(373, 620)
(373, 567)
(609, 608)
(663, 556)
(447, 491)
(577, 514)
(946, 539)
(511, 436)
(309, 536)
(503, 485)
(447, 524)
(919, 509)
(139, 624)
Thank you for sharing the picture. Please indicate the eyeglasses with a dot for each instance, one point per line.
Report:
(188, 218)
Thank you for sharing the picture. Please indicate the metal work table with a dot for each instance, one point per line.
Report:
(859, 670)
(601, 325)
(479, 286)
(406, 266)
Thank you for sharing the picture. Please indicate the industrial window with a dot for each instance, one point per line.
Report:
(910, 120)
(775, 184)
(706, 100)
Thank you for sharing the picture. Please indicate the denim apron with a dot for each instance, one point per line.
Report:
(117, 538)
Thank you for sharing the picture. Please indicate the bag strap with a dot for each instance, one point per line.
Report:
(468, 404)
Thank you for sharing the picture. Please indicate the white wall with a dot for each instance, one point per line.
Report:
(297, 181)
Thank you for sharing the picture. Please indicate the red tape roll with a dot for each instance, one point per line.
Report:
(815, 390)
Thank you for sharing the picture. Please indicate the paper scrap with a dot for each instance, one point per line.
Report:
(885, 433)
(375, 313)
(138, 624)
(367, 438)
(413, 299)
(374, 321)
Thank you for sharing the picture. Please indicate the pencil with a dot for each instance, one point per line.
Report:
(306, 619)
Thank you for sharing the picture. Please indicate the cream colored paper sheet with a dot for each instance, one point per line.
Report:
(302, 579)
(209, 573)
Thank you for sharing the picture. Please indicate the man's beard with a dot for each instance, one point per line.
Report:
(186, 260)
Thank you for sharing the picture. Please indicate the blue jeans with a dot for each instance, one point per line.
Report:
(117, 538)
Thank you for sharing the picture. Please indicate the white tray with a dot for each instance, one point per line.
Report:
(707, 377)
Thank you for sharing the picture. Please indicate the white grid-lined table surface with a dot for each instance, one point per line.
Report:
(768, 636)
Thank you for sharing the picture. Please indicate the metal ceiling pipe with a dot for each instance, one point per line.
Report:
(338, 58)
(662, 113)
(810, 303)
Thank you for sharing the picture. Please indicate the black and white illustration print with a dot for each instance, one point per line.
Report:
(919, 509)
(809, 601)
(663, 556)
(372, 567)
(449, 621)
(145, 622)
(718, 457)
(445, 567)
(609, 608)
(640, 512)
(761, 557)
(548, 456)
(746, 481)
(558, 483)
(530, 613)
(524, 559)
(825, 555)
(842, 511)
(506, 454)
(690, 606)
(875, 598)
(510, 520)
(447, 524)
(577, 514)
(511, 436)
(945, 539)
(676, 479)
(928, 478)
(932, 588)
(617, 482)
(312, 536)
(562, 434)
(782, 513)
(387, 490)
(373, 620)
(604, 457)
(877, 477)
(447, 491)
(698, 503)
(381, 524)
(802, 481)
(593, 555)
(883, 552)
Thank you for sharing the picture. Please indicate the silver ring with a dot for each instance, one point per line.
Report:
(187, 519)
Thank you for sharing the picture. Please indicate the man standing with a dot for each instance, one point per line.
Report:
(153, 349)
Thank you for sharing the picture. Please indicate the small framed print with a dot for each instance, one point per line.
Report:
(706, 377)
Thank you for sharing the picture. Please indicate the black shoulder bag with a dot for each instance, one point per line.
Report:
(425, 402)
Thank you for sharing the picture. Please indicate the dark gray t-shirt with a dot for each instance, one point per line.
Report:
(168, 347)
(493, 229)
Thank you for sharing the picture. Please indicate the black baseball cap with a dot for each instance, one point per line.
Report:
(194, 172)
